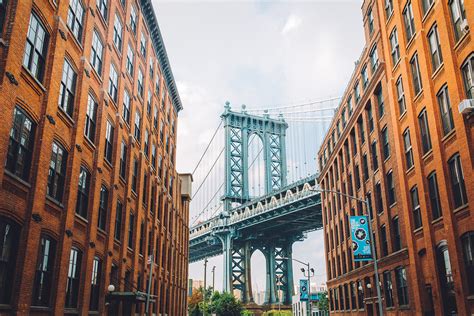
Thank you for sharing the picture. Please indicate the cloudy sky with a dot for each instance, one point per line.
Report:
(263, 54)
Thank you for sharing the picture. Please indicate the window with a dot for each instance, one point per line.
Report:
(149, 102)
(383, 240)
(458, 15)
(130, 60)
(20, 146)
(113, 83)
(349, 105)
(117, 36)
(123, 159)
(424, 131)
(91, 116)
(146, 145)
(152, 68)
(153, 156)
(57, 172)
(434, 196)
(409, 21)
(385, 143)
(468, 77)
(388, 8)
(73, 278)
(126, 107)
(435, 48)
(97, 52)
(109, 141)
(118, 221)
(374, 58)
(9, 236)
(387, 288)
(360, 294)
(354, 143)
(370, 19)
(467, 241)
(133, 19)
(360, 122)
(3, 13)
(102, 8)
(357, 92)
(67, 88)
(458, 189)
(390, 188)
(357, 176)
(365, 166)
(397, 239)
(95, 284)
(135, 175)
(75, 17)
(408, 149)
(103, 202)
(402, 286)
(445, 110)
(426, 5)
(415, 207)
(446, 280)
(140, 83)
(380, 101)
(370, 118)
(44, 272)
(394, 47)
(415, 72)
(83, 193)
(137, 126)
(373, 151)
(145, 189)
(343, 117)
(401, 96)
(142, 237)
(131, 225)
(365, 77)
(155, 117)
(378, 198)
(36, 47)
(143, 44)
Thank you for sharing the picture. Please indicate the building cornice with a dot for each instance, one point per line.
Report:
(159, 45)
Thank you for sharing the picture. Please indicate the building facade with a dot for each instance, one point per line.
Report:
(89, 195)
(400, 140)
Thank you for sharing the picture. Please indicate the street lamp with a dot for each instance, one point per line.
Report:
(372, 245)
(310, 274)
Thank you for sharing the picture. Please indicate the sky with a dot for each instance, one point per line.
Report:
(262, 54)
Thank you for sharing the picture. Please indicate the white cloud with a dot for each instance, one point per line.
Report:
(292, 23)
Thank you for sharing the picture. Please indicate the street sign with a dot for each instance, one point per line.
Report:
(360, 238)
(303, 290)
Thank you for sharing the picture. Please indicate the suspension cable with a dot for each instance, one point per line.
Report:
(208, 145)
(207, 175)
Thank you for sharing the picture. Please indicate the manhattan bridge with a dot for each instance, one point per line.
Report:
(254, 191)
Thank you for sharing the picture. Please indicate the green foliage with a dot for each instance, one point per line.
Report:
(224, 304)
(278, 313)
(246, 313)
(323, 303)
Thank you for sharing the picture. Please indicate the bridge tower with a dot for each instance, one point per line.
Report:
(237, 251)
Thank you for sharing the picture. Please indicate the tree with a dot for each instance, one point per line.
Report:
(225, 304)
(323, 303)
(193, 303)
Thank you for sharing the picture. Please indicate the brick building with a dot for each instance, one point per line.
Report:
(398, 138)
(89, 188)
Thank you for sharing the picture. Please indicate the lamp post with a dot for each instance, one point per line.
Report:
(372, 245)
(205, 279)
(213, 276)
(310, 274)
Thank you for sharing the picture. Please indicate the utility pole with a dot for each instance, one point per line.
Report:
(213, 277)
(205, 279)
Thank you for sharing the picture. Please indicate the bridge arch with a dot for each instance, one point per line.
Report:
(256, 165)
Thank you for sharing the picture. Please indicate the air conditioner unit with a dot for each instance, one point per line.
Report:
(464, 26)
(466, 106)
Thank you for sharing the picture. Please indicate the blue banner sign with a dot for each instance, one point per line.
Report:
(303, 290)
(360, 238)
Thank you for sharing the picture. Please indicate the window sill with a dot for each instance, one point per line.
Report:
(32, 80)
(448, 136)
(411, 40)
(18, 179)
(428, 12)
(460, 42)
(410, 170)
(460, 208)
(54, 201)
(418, 95)
(437, 221)
(418, 231)
(97, 75)
(75, 40)
(89, 143)
(81, 219)
(403, 115)
(68, 120)
(101, 231)
(437, 71)
(108, 164)
(393, 204)
(395, 66)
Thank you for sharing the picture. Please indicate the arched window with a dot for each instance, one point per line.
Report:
(446, 279)
(73, 278)
(9, 235)
(44, 271)
(467, 241)
(95, 284)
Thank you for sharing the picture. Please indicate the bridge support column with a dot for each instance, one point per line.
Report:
(241, 271)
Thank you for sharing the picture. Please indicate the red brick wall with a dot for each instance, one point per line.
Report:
(20, 199)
